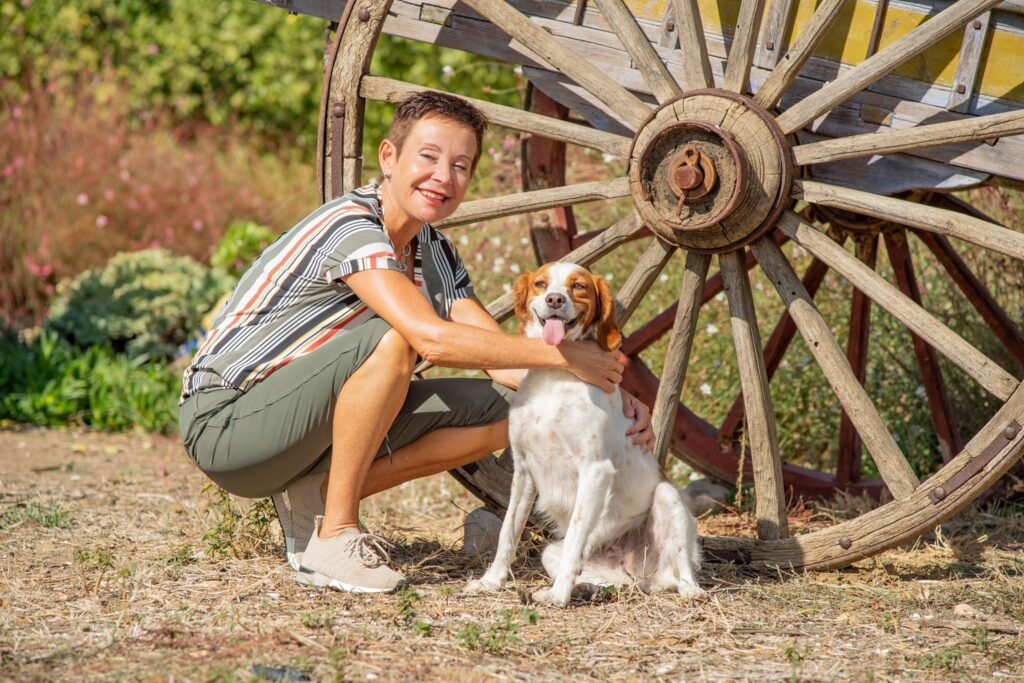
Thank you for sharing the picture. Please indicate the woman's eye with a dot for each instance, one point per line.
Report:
(428, 156)
(461, 167)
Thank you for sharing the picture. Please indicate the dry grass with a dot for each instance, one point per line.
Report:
(106, 575)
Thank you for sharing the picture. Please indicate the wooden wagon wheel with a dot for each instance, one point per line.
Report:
(715, 172)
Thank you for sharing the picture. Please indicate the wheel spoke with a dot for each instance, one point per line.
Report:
(871, 69)
(623, 231)
(677, 358)
(979, 296)
(848, 464)
(524, 202)
(547, 47)
(941, 221)
(645, 272)
(778, 344)
(389, 90)
(647, 61)
(994, 379)
(741, 54)
(763, 439)
(927, 361)
(893, 466)
(786, 71)
(969, 129)
(692, 45)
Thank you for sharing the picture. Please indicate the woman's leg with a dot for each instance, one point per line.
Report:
(366, 407)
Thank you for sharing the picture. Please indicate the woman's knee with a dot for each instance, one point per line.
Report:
(395, 352)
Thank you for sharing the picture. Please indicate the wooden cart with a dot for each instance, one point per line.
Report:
(731, 116)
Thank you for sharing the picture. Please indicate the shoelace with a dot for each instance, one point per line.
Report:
(372, 549)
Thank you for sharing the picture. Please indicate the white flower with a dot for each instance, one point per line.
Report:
(518, 71)
(506, 287)
(799, 251)
(496, 241)
(514, 268)
(720, 296)
(478, 256)
(608, 158)
(447, 70)
(711, 329)
(524, 240)
(609, 276)
(499, 264)
(705, 389)
(464, 240)
(663, 277)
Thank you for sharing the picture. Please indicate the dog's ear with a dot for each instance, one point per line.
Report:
(608, 336)
(521, 297)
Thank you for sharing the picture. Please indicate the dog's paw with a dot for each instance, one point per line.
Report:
(688, 591)
(547, 596)
(481, 586)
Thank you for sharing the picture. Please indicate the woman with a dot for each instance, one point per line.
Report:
(305, 378)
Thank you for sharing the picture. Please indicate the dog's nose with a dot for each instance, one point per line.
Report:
(554, 300)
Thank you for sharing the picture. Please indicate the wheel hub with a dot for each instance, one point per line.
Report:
(710, 171)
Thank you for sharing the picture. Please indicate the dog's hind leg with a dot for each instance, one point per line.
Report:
(591, 497)
(673, 535)
(520, 502)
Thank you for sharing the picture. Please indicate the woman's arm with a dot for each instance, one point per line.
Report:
(470, 311)
(393, 297)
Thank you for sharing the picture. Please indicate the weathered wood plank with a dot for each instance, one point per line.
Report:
(518, 26)
(677, 357)
(693, 47)
(741, 54)
(930, 218)
(986, 372)
(972, 129)
(773, 30)
(388, 90)
(524, 202)
(647, 269)
(639, 48)
(785, 72)
(757, 401)
(892, 464)
(853, 81)
(968, 64)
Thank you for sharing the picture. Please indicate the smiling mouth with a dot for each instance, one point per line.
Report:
(430, 194)
(569, 324)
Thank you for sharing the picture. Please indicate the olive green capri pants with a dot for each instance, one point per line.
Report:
(255, 443)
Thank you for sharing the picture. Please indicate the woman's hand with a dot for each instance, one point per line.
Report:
(592, 364)
(641, 429)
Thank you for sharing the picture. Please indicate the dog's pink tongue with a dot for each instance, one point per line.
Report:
(554, 331)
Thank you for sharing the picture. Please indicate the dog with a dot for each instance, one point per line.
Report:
(615, 518)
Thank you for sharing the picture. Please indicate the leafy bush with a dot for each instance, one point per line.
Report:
(144, 303)
(242, 244)
(49, 382)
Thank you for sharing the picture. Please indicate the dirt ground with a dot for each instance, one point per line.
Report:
(116, 565)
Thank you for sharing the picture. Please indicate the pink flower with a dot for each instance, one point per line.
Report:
(153, 49)
(125, 175)
(108, 195)
(19, 161)
(101, 221)
(9, 169)
(16, 112)
(82, 199)
(198, 224)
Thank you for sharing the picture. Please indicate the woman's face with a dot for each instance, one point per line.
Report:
(429, 178)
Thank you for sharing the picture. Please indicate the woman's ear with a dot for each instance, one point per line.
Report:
(608, 336)
(387, 154)
(521, 297)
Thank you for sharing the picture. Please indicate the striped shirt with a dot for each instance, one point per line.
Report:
(293, 299)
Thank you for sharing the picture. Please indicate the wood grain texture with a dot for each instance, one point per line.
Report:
(986, 372)
(647, 269)
(773, 30)
(692, 45)
(930, 218)
(867, 72)
(968, 64)
(741, 54)
(757, 401)
(785, 72)
(677, 357)
(389, 90)
(646, 60)
(602, 86)
(523, 202)
(971, 129)
(892, 464)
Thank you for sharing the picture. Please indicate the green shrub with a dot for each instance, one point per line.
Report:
(144, 303)
(51, 383)
(242, 244)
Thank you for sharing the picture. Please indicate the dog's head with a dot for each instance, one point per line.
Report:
(561, 301)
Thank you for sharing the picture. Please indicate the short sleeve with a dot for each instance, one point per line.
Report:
(357, 243)
(454, 276)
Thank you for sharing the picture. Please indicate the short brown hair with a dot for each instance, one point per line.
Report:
(426, 103)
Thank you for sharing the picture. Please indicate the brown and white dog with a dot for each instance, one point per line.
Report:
(615, 518)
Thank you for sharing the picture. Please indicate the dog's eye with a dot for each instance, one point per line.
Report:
(540, 283)
(578, 285)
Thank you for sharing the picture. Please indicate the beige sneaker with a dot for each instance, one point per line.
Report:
(297, 508)
(353, 561)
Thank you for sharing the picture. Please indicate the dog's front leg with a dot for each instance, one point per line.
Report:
(591, 496)
(520, 502)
